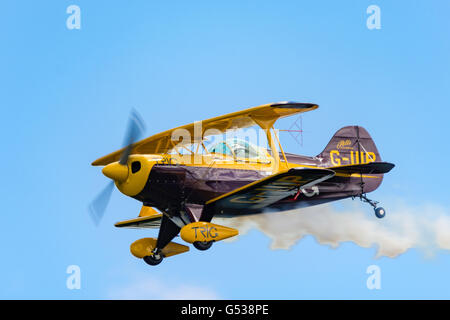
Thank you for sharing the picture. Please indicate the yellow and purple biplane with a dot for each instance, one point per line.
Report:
(183, 184)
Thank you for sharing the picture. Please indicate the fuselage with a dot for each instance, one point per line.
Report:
(168, 181)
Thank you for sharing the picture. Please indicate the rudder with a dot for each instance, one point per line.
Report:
(350, 145)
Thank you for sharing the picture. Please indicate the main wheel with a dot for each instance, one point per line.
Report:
(152, 260)
(380, 212)
(200, 245)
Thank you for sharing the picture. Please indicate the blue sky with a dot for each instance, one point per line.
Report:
(65, 98)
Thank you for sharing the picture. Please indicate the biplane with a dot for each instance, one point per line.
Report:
(183, 184)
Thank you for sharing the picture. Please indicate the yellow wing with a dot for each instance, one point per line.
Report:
(151, 222)
(263, 116)
(148, 218)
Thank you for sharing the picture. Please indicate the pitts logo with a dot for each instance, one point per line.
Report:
(344, 144)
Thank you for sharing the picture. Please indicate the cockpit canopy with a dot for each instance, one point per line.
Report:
(238, 148)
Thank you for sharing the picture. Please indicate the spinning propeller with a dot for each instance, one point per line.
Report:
(117, 171)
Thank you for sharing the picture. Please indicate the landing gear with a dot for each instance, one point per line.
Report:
(167, 232)
(203, 245)
(153, 259)
(379, 211)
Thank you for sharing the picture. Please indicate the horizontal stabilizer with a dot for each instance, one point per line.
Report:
(367, 168)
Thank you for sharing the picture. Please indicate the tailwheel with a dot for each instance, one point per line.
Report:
(380, 212)
(153, 259)
(203, 245)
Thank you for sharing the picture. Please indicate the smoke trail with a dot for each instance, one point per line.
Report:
(426, 228)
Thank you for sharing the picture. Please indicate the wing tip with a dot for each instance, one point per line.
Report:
(295, 105)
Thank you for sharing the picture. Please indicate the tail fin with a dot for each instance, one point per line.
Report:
(350, 145)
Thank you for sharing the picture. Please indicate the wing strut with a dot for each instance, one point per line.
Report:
(281, 149)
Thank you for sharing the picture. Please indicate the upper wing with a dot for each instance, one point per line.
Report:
(265, 192)
(163, 143)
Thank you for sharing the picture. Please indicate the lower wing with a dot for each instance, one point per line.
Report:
(148, 218)
(264, 192)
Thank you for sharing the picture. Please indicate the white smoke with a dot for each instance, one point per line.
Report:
(426, 228)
